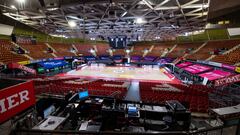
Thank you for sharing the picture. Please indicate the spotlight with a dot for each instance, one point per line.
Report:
(110, 50)
(124, 14)
(72, 23)
(140, 21)
(139, 37)
(13, 7)
(171, 15)
(128, 51)
(92, 50)
(21, 1)
(92, 38)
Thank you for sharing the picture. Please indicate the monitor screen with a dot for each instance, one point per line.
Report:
(132, 109)
(48, 111)
(83, 95)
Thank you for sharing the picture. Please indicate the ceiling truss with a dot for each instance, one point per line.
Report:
(163, 18)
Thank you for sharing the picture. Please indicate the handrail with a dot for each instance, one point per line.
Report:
(194, 132)
(19, 131)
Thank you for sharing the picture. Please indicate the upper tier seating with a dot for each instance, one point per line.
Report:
(159, 49)
(183, 48)
(102, 49)
(84, 49)
(62, 49)
(204, 52)
(230, 58)
(6, 56)
(38, 51)
(139, 50)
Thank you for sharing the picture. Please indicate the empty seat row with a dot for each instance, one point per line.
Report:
(194, 95)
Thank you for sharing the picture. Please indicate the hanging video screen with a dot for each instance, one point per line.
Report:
(118, 42)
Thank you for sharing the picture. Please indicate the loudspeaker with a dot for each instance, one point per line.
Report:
(14, 39)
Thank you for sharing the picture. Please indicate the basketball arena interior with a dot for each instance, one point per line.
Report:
(167, 67)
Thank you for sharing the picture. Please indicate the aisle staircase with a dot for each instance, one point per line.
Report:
(237, 64)
(165, 53)
(49, 46)
(29, 57)
(133, 92)
(150, 49)
(54, 51)
(75, 53)
(95, 48)
(25, 55)
(132, 48)
(200, 47)
(145, 53)
(195, 51)
(211, 57)
(172, 48)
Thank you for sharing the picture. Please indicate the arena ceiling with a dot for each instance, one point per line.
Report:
(138, 19)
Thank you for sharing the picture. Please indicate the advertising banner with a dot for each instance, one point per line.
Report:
(35, 61)
(68, 57)
(216, 64)
(52, 64)
(21, 67)
(164, 60)
(15, 99)
(216, 74)
(59, 58)
(230, 67)
(149, 58)
(24, 62)
(184, 64)
(237, 69)
(227, 80)
(135, 58)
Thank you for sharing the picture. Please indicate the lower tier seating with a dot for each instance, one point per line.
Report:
(98, 87)
(196, 97)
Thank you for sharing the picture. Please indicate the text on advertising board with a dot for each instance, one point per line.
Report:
(15, 99)
(227, 80)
